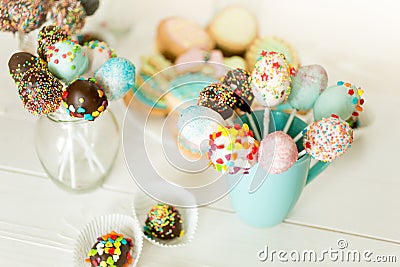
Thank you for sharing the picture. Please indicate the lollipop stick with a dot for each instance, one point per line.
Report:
(90, 153)
(301, 153)
(298, 136)
(289, 121)
(266, 122)
(71, 158)
(253, 126)
(63, 160)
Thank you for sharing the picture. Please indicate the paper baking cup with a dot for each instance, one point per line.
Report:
(142, 204)
(102, 225)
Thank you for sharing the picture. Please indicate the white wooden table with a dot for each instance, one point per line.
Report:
(356, 199)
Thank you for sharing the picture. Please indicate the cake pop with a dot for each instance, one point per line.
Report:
(39, 91)
(70, 15)
(22, 15)
(271, 78)
(117, 76)
(90, 6)
(195, 123)
(84, 99)
(278, 152)
(239, 82)
(343, 99)
(308, 83)
(163, 222)
(49, 35)
(233, 149)
(20, 62)
(218, 98)
(66, 60)
(98, 53)
(328, 138)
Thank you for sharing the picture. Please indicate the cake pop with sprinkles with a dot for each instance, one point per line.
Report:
(111, 249)
(40, 91)
(233, 149)
(239, 82)
(84, 99)
(271, 78)
(49, 35)
(163, 222)
(218, 98)
(66, 60)
(21, 62)
(22, 15)
(70, 15)
(278, 152)
(98, 53)
(117, 76)
(343, 100)
(328, 138)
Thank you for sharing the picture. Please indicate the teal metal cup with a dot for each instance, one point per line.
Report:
(276, 194)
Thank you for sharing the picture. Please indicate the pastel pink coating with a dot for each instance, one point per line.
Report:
(278, 152)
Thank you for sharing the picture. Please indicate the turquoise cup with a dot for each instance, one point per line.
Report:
(276, 194)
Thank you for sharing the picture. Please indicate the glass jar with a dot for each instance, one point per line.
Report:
(77, 154)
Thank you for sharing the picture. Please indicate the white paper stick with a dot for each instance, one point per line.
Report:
(289, 121)
(301, 153)
(298, 136)
(89, 151)
(266, 121)
(71, 158)
(64, 159)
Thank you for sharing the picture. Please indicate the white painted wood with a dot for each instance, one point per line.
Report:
(46, 220)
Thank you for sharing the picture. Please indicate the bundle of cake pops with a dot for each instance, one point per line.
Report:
(234, 147)
(70, 82)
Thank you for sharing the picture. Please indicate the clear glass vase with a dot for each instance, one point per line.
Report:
(77, 154)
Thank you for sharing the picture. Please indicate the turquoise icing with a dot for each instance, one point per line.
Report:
(66, 60)
(307, 85)
(116, 76)
(336, 100)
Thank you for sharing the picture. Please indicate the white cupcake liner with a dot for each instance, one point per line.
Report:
(142, 204)
(102, 225)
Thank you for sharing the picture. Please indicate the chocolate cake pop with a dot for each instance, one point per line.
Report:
(48, 36)
(90, 6)
(84, 99)
(239, 82)
(40, 91)
(163, 222)
(112, 249)
(21, 62)
(217, 97)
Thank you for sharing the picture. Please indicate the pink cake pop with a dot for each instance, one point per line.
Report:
(232, 149)
(328, 138)
(278, 152)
